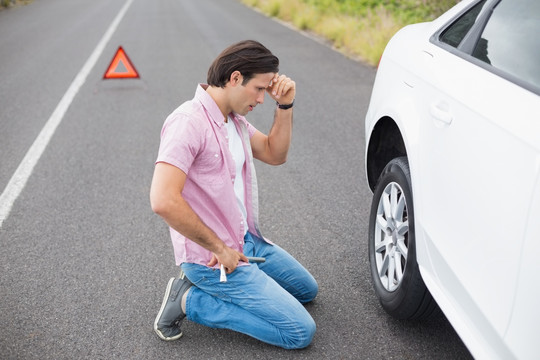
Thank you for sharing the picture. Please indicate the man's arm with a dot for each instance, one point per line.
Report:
(274, 147)
(167, 201)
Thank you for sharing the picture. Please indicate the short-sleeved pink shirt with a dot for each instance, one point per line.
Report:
(194, 139)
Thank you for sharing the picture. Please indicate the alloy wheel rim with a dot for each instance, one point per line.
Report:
(391, 240)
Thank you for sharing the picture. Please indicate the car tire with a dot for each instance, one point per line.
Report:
(392, 247)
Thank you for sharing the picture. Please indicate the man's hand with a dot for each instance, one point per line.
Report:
(229, 258)
(282, 89)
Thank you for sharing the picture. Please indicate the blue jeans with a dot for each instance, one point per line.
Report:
(261, 300)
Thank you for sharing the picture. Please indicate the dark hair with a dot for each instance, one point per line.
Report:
(249, 57)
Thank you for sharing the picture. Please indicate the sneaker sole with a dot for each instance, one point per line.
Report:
(161, 336)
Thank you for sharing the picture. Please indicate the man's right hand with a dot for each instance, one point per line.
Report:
(229, 258)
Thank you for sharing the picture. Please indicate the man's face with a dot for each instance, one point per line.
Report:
(244, 98)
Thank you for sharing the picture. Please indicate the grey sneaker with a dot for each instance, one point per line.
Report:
(170, 316)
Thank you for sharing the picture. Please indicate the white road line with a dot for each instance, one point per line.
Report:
(20, 177)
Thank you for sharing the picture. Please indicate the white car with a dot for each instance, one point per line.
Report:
(453, 160)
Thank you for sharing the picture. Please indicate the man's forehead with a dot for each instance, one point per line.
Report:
(263, 79)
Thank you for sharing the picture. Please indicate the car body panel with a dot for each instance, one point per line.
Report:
(523, 329)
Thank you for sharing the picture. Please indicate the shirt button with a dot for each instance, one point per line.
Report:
(216, 155)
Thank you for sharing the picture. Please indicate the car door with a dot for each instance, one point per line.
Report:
(480, 157)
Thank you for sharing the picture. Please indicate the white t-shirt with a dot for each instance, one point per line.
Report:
(237, 151)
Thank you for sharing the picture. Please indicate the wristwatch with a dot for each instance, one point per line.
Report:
(285, 107)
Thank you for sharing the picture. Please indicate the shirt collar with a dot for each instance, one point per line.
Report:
(209, 104)
(212, 108)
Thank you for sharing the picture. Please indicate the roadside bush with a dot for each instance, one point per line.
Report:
(359, 28)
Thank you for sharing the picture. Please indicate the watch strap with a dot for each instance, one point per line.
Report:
(286, 106)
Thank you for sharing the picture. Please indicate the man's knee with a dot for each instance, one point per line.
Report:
(310, 293)
(302, 336)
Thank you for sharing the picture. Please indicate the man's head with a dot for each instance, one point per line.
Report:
(249, 57)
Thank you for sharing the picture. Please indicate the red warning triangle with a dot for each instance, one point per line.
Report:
(120, 67)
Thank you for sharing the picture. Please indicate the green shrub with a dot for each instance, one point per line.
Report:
(360, 28)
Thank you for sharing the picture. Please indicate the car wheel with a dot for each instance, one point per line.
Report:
(392, 251)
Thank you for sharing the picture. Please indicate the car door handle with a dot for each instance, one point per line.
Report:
(440, 114)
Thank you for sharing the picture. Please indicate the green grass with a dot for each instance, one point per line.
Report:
(359, 28)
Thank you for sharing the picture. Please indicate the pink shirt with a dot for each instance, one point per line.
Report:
(194, 139)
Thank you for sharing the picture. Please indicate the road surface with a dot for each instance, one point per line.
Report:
(84, 262)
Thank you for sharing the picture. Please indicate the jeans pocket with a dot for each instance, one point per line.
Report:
(206, 279)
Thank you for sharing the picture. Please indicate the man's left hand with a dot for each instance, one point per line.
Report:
(282, 89)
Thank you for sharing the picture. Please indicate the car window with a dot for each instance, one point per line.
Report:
(454, 34)
(510, 41)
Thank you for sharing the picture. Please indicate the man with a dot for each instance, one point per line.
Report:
(204, 187)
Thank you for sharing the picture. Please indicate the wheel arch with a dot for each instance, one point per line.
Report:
(385, 143)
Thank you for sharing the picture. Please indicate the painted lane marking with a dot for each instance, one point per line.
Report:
(18, 181)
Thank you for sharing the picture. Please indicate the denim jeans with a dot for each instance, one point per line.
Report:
(261, 300)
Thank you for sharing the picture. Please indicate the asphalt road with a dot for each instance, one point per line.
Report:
(84, 261)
